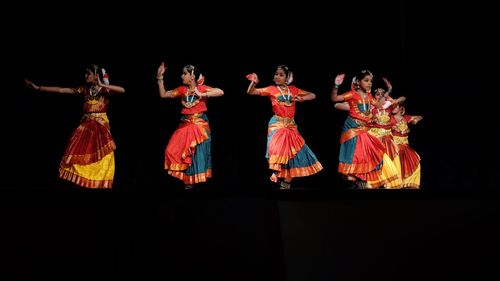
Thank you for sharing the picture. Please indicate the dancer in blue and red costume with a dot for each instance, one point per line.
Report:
(188, 153)
(362, 157)
(287, 153)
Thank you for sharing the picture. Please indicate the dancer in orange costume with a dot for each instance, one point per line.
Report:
(287, 153)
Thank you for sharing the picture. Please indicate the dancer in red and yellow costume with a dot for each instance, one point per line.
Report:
(188, 153)
(409, 158)
(287, 153)
(382, 125)
(89, 159)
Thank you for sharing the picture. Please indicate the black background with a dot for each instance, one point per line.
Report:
(442, 59)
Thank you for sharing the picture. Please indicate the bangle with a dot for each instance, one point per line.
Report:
(160, 80)
(159, 77)
(206, 95)
(39, 88)
(336, 86)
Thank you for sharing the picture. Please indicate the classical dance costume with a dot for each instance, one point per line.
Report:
(381, 128)
(188, 155)
(89, 157)
(287, 153)
(362, 156)
(409, 158)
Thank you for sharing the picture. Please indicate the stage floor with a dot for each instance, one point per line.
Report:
(302, 234)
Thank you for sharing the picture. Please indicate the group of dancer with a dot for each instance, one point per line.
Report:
(374, 147)
(374, 151)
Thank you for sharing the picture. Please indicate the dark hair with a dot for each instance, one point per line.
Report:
(363, 73)
(285, 69)
(94, 68)
(193, 70)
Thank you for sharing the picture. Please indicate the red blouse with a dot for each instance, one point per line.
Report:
(282, 101)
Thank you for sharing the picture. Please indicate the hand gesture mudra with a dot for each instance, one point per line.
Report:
(387, 83)
(339, 79)
(161, 70)
(31, 85)
(253, 78)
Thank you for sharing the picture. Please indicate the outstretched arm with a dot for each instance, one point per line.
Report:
(390, 101)
(416, 119)
(305, 96)
(342, 106)
(59, 90)
(335, 91)
(399, 100)
(113, 89)
(213, 92)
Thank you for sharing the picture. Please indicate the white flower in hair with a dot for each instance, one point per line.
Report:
(353, 83)
(201, 80)
(105, 76)
(290, 78)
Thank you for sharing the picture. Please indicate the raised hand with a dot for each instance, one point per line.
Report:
(339, 79)
(387, 83)
(253, 78)
(161, 70)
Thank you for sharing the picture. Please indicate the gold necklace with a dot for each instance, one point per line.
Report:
(363, 96)
(190, 98)
(94, 90)
(287, 98)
